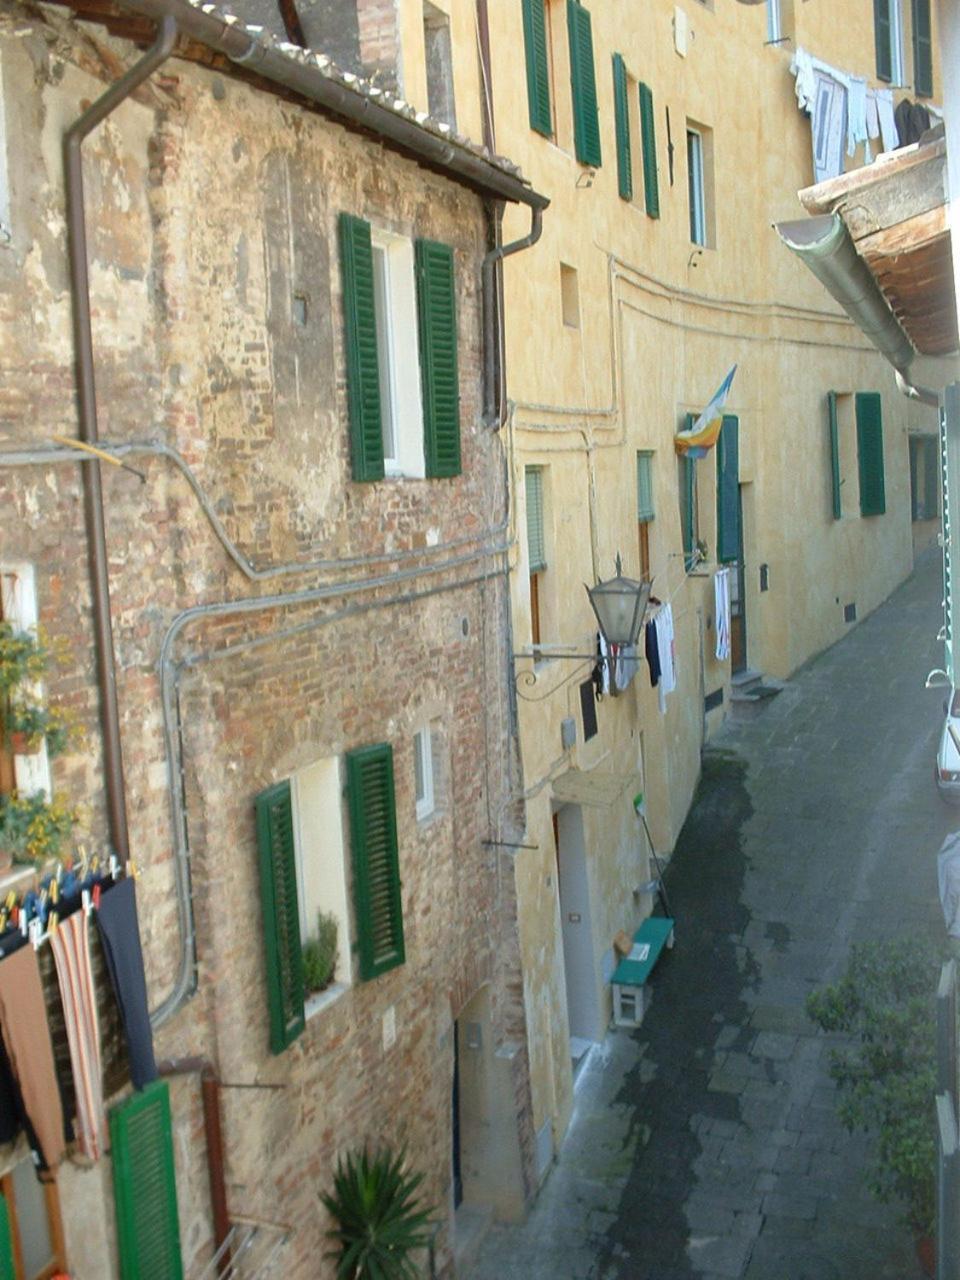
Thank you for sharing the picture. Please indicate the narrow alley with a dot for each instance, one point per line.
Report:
(706, 1143)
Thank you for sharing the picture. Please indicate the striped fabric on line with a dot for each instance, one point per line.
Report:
(71, 953)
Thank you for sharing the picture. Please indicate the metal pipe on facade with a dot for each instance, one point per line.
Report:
(925, 395)
(493, 332)
(87, 407)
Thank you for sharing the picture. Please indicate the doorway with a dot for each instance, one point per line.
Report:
(738, 610)
(579, 965)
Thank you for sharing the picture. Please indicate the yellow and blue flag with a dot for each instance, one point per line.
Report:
(696, 440)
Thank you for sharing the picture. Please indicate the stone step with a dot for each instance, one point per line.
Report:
(471, 1224)
(750, 697)
(745, 679)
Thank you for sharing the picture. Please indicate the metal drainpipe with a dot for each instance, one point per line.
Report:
(925, 395)
(87, 406)
(493, 328)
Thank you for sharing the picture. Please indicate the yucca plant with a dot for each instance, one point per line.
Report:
(381, 1221)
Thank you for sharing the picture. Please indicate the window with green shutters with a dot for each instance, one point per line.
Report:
(644, 509)
(281, 915)
(363, 361)
(621, 105)
(144, 1186)
(648, 142)
(688, 504)
(922, 50)
(728, 491)
(440, 383)
(870, 453)
(538, 66)
(883, 39)
(376, 865)
(833, 427)
(536, 546)
(586, 122)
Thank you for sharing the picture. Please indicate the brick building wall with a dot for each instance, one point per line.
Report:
(212, 210)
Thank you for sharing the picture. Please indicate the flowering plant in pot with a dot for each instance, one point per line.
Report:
(886, 1076)
(381, 1222)
(30, 723)
(33, 828)
(23, 657)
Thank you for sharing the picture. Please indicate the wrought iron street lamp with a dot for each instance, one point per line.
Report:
(620, 604)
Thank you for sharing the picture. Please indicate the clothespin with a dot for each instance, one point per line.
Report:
(36, 932)
(55, 890)
(96, 896)
(23, 924)
(53, 922)
(85, 901)
(132, 869)
(10, 901)
(114, 866)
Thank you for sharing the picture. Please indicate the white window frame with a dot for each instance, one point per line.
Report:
(6, 225)
(774, 22)
(18, 592)
(897, 64)
(423, 772)
(398, 350)
(695, 188)
(320, 857)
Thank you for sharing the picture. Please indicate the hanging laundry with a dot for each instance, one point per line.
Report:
(628, 664)
(829, 127)
(721, 600)
(652, 651)
(26, 1038)
(604, 664)
(857, 117)
(873, 118)
(885, 116)
(120, 934)
(665, 647)
(71, 953)
(912, 120)
(58, 1038)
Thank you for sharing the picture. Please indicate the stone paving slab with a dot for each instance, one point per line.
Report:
(816, 825)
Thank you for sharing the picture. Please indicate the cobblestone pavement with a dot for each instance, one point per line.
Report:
(706, 1143)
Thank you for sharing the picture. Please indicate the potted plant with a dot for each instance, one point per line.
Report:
(23, 657)
(380, 1220)
(886, 1077)
(320, 954)
(33, 828)
(29, 723)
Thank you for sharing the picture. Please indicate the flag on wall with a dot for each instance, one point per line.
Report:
(696, 440)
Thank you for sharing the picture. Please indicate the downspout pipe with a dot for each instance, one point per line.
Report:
(88, 431)
(824, 245)
(494, 404)
(924, 395)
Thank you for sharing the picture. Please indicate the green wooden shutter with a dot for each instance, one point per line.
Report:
(922, 50)
(439, 378)
(376, 865)
(281, 915)
(648, 140)
(931, 479)
(688, 498)
(621, 104)
(538, 66)
(144, 1186)
(7, 1268)
(644, 486)
(728, 491)
(833, 425)
(363, 361)
(586, 123)
(870, 453)
(883, 37)
(536, 547)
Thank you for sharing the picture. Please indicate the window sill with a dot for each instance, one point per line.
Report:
(321, 1000)
(428, 819)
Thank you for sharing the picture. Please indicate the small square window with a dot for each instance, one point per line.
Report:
(439, 60)
(423, 772)
(570, 296)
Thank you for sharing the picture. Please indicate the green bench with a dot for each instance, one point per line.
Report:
(630, 994)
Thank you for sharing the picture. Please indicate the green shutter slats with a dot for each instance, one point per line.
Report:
(536, 547)
(586, 122)
(870, 453)
(144, 1186)
(922, 50)
(621, 105)
(439, 376)
(281, 915)
(728, 491)
(360, 336)
(883, 38)
(644, 486)
(376, 866)
(648, 143)
(538, 66)
(687, 499)
(7, 1266)
(834, 430)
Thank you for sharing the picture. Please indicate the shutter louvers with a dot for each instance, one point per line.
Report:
(644, 487)
(281, 915)
(538, 66)
(687, 500)
(931, 478)
(536, 549)
(621, 104)
(376, 866)
(7, 1266)
(648, 142)
(870, 453)
(586, 123)
(363, 361)
(439, 377)
(883, 37)
(834, 429)
(922, 50)
(728, 491)
(144, 1186)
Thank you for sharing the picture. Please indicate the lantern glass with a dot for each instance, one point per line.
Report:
(619, 604)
